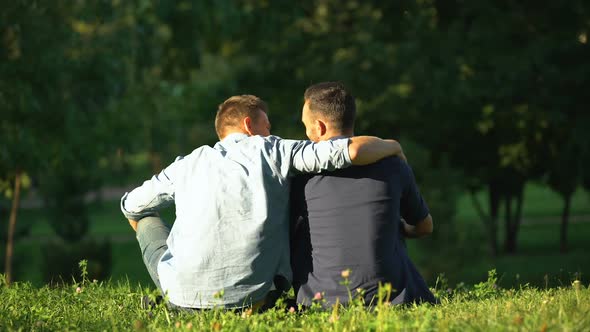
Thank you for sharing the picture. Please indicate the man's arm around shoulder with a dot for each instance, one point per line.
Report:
(314, 157)
(364, 150)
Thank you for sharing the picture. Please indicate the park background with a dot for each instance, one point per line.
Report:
(488, 98)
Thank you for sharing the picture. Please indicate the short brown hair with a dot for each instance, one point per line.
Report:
(232, 111)
(332, 100)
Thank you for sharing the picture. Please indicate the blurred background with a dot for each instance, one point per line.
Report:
(487, 98)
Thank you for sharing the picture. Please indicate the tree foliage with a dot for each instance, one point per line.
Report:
(493, 89)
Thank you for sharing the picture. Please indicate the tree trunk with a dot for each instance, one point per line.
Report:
(509, 240)
(517, 216)
(485, 218)
(513, 215)
(11, 228)
(513, 220)
(564, 222)
(493, 224)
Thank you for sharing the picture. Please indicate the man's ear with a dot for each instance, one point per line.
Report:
(247, 124)
(321, 127)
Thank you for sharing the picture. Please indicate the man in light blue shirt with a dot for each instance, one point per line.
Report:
(230, 238)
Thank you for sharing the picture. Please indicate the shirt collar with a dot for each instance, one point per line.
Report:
(234, 137)
(338, 137)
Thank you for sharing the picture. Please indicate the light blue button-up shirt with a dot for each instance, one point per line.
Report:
(231, 231)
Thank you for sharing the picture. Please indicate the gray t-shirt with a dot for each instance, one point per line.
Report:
(350, 219)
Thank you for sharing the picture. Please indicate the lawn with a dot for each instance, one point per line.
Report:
(538, 261)
(539, 202)
(111, 306)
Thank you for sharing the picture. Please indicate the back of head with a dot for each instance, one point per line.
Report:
(232, 111)
(333, 102)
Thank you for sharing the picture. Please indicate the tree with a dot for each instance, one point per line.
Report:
(570, 151)
(59, 74)
(479, 85)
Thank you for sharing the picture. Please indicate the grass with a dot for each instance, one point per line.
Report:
(116, 306)
(532, 291)
(538, 261)
(539, 202)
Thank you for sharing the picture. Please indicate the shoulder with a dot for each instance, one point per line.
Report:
(389, 165)
(267, 139)
(272, 140)
(276, 140)
(204, 149)
(405, 168)
(198, 155)
(390, 162)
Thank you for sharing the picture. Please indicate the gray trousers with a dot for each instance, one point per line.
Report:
(152, 234)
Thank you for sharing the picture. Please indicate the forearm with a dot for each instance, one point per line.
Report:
(136, 207)
(147, 199)
(364, 150)
(410, 231)
(310, 157)
(421, 229)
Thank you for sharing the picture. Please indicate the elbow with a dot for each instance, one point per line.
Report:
(429, 230)
(430, 225)
(426, 226)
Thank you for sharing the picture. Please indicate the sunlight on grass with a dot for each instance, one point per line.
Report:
(539, 201)
(95, 306)
(538, 244)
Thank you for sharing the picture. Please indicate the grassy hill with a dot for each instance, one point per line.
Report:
(93, 306)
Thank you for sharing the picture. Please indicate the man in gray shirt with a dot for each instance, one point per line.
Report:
(230, 238)
(346, 223)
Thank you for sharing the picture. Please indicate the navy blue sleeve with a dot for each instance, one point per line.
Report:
(413, 208)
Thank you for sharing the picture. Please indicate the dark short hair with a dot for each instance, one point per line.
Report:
(333, 101)
(232, 111)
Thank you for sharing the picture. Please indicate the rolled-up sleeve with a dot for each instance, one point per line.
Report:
(310, 157)
(153, 195)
